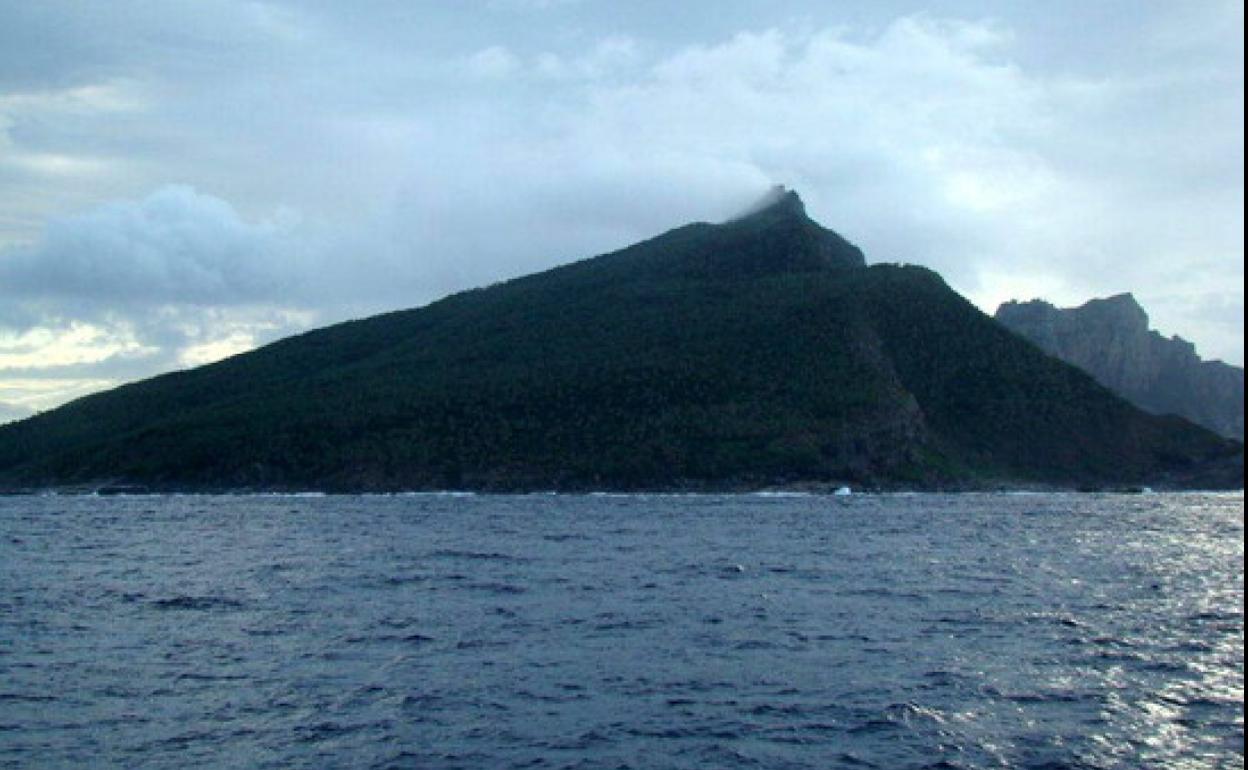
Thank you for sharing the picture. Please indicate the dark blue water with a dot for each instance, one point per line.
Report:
(634, 632)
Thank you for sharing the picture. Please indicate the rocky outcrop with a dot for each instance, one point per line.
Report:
(1110, 339)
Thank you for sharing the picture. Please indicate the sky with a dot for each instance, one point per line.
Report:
(181, 181)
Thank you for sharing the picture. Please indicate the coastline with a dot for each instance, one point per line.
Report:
(680, 490)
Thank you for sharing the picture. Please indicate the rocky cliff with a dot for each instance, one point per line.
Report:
(1110, 339)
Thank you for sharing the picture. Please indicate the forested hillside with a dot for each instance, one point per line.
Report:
(759, 352)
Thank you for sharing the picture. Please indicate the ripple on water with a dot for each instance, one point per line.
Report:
(977, 631)
(201, 603)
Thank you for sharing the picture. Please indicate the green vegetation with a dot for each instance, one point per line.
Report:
(758, 352)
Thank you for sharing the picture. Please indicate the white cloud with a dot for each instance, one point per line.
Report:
(61, 359)
(493, 63)
(45, 366)
(79, 343)
(207, 352)
(22, 397)
(610, 56)
(110, 96)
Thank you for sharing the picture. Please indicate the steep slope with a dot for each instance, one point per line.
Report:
(1110, 339)
(761, 351)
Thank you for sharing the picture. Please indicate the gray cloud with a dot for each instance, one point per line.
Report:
(176, 246)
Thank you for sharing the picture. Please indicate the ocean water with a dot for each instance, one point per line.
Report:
(963, 631)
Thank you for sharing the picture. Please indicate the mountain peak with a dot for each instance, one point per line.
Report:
(778, 200)
(776, 235)
(1110, 339)
(1121, 310)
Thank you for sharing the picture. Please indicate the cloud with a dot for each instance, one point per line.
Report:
(65, 44)
(493, 63)
(921, 114)
(62, 358)
(610, 56)
(78, 344)
(136, 287)
(175, 246)
(23, 397)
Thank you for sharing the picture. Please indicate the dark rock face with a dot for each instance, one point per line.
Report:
(1110, 339)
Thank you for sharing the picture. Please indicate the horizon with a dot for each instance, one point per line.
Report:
(182, 183)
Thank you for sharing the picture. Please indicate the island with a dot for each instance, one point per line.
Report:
(760, 352)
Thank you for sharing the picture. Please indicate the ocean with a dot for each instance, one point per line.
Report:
(549, 631)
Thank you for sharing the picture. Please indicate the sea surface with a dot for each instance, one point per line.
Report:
(441, 631)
